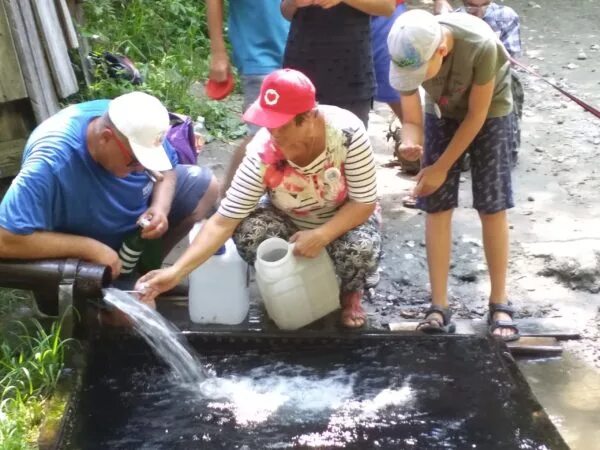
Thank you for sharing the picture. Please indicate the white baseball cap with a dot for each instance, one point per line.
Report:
(412, 41)
(144, 121)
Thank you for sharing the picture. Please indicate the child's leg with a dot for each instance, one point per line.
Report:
(492, 196)
(495, 246)
(439, 207)
(438, 239)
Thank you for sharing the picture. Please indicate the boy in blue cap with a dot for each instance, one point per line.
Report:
(462, 66)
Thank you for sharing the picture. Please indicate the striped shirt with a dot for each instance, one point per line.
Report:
(309, 195)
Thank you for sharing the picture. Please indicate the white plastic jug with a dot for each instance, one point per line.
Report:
(218, 292)
(296, 290)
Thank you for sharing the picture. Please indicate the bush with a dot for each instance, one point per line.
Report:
(169, 44)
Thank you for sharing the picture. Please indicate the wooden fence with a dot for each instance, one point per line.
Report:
(36, 71)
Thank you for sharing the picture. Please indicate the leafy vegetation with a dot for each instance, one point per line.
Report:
(169, 44)
(31, 361)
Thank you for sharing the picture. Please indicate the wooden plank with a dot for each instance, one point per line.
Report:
(10, 157)
(77, 13)
(67, 23)
(13, 120)
(557, 328)
(535, 346)
(12, 86)
(36, 73)
(55, 47)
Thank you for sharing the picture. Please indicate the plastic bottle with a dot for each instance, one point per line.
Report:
(296, 290)
(132, 248)
(218, 291)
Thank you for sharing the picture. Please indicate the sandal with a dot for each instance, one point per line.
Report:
(353, 314)
(434, 325)
(495, 324)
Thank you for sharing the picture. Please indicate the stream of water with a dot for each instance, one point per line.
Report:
(161, 335)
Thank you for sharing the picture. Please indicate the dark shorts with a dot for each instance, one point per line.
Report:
(380, 28)
(192, 183)
(360, 108)
(491, 154)
(251, 88)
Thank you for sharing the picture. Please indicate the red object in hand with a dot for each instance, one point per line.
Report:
(218, 91)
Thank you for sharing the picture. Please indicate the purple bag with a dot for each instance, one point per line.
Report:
(181, 136)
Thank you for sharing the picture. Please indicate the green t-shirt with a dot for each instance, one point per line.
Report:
(477, 56)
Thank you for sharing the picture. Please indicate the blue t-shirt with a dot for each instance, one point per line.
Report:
(61, 188)
(258, 32)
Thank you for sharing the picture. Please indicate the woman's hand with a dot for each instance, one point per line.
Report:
(156, 282)
(429, 180)
(309, 243)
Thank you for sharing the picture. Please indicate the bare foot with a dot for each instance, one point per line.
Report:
(353, 314)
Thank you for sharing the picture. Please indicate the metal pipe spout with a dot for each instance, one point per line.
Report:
(44, 277)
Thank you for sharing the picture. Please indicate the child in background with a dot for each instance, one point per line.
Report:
(506, 24)
(464, 70)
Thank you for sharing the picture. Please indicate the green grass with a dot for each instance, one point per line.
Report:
(31, 361)
(169, 44)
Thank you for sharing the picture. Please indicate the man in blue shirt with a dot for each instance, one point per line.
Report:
(86, 181)
(258, 33)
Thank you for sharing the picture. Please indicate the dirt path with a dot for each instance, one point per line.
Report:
(555, 227)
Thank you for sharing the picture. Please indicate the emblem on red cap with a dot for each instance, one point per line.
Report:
(271, 97)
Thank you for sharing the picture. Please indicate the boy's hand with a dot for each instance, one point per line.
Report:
(303, 3)
(219, 67)
(326, 4)
(410, 152)
(429, 180)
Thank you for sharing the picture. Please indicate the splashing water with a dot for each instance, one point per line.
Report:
(262, 393)
(160, 334)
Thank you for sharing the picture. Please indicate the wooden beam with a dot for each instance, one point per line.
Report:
(12, 86)
(56, 48)
(10, 157)
(36, 73)
(557, 328)
(67, 23)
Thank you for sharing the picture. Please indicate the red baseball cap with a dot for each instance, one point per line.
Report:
(284, 94)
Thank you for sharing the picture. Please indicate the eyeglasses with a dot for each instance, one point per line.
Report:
(124, 150)
(477, 9)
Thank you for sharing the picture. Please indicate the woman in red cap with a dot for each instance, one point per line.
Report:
(315, 164)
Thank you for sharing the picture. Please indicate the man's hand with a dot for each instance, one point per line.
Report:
(442, 7)
(410, 152)
(159, 224)
(309, 243)
(429, 180)
(106, 256)
(326, 4)
(219, 67)
(156, 282)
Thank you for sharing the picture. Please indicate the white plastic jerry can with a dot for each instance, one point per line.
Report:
(296, 291)
(218, 291)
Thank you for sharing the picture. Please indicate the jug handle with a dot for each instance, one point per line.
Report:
(291, 247)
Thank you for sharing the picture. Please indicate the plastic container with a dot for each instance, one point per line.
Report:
(296, 290)
(218, 292)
